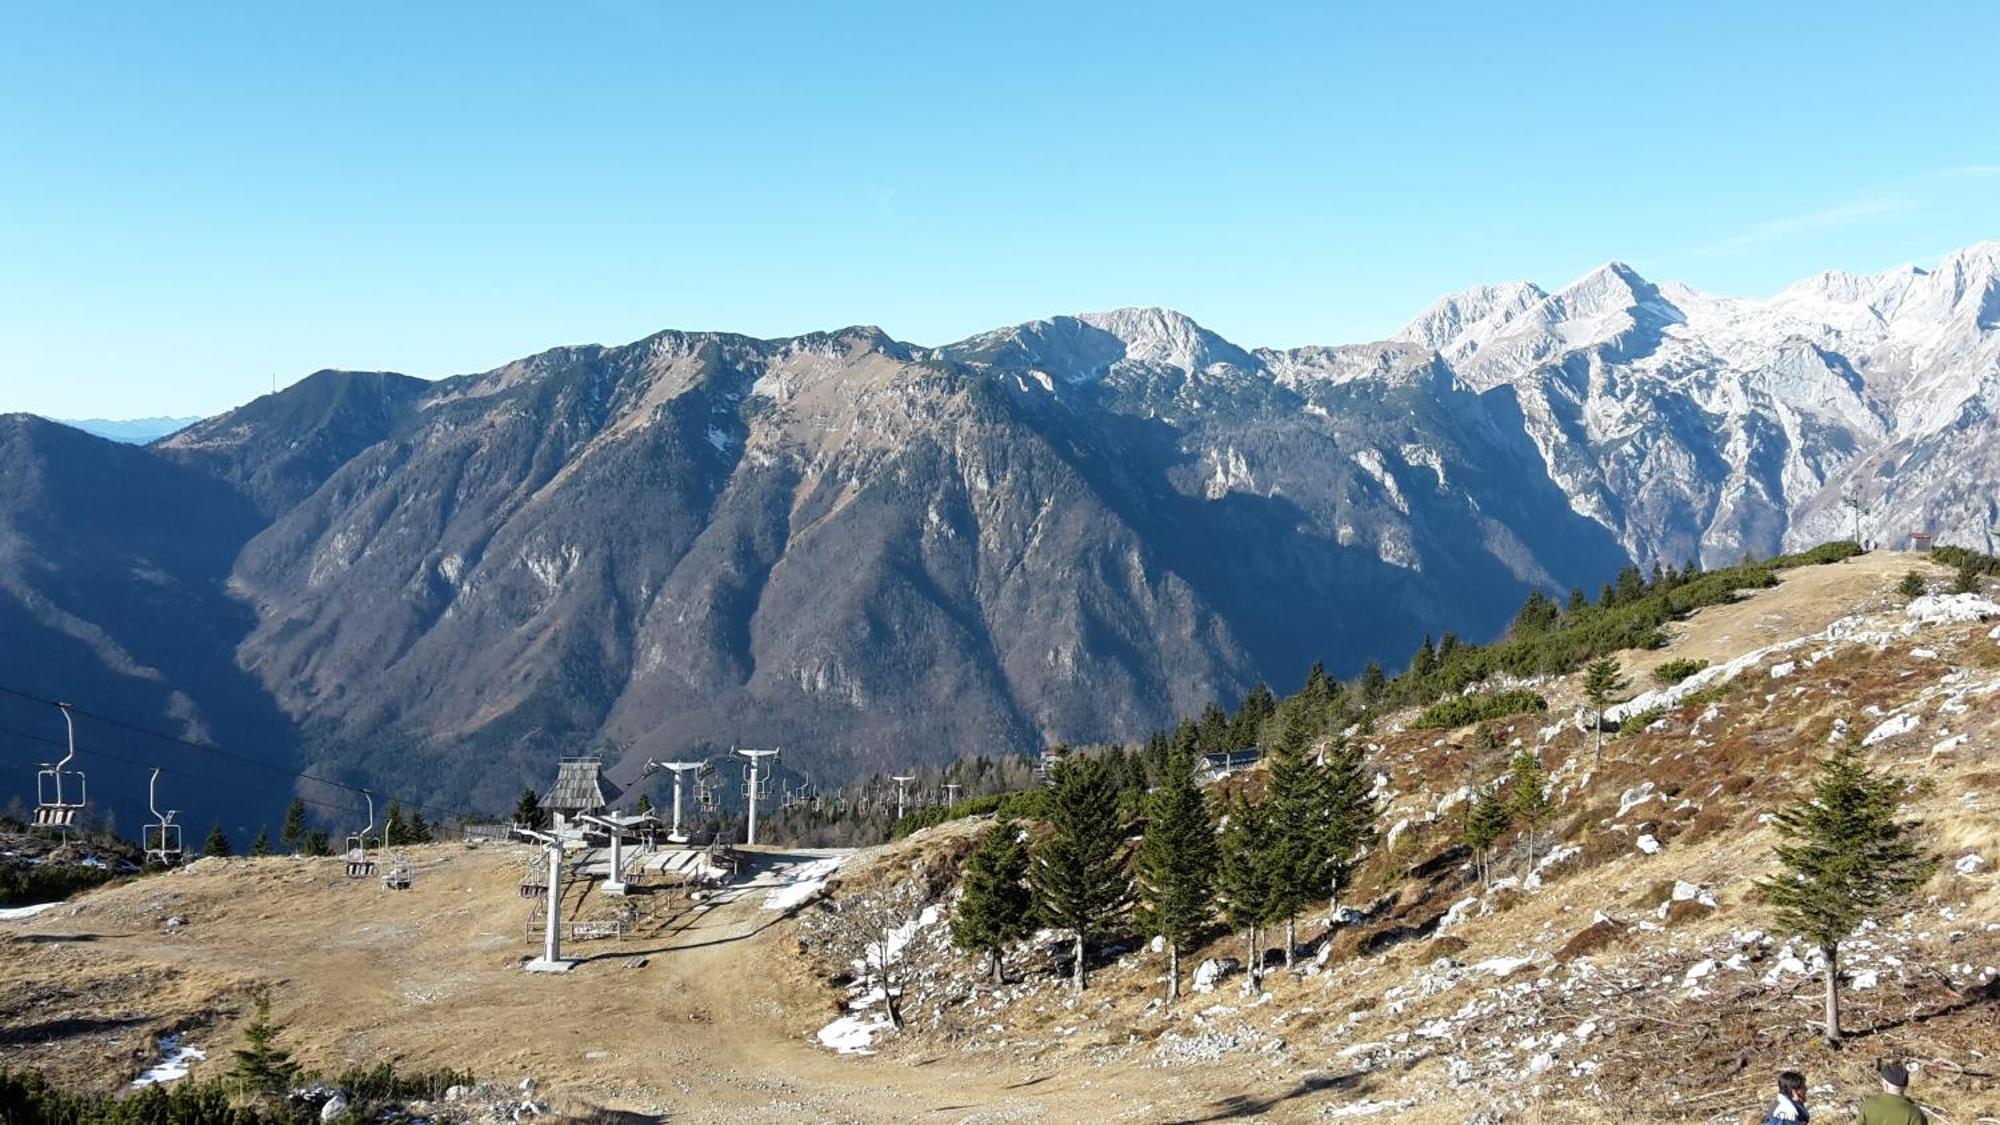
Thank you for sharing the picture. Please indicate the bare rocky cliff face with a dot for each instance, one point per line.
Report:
(873, 553)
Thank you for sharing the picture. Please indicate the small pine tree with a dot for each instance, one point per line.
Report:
(528, 812)
(996, 908)
(1078, 874)
(1244, 879)
(262, 844)
(1529, 799)
(419, 829)
(1912, 585)
(293, 834)
(1177, 862)
(1846, 858)
(645, 804)
(1425, 662)
(1601, 681)
(1297, 838)
(1631, 585)
(1484, 825)
(1348, 812)
(394, 832)
(1374, 684)
(264, 1069)
(317, 844)
(1967, 580)
(217, 842)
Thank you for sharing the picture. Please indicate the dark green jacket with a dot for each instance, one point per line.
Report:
(1891, 1109)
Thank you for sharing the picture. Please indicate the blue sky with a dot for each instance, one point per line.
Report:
(194, 199)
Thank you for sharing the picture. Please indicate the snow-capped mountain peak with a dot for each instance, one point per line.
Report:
(1458, 324)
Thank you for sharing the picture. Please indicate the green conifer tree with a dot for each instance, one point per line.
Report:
(1485, 824)
(293, 834)
(394, 832)
(420, 829)
(264, 1069)
(1078, 873)
(1912, 585)
(1374, 684)
(1601, 681)
(528, 812)
(1967, 579)
(1296, 833)
(1425, 661)
(262, 844)
(1244, 880)
(217, 842)
(1528, 799)
(1846, 857)
(1177, 864)
(1348, 811)
(996, 908)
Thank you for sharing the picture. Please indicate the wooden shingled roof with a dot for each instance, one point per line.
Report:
(581, 787)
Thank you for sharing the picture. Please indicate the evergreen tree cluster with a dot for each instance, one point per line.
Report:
(1199, 861)
(399, 830)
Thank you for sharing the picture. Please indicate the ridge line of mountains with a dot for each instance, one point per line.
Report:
(876, 554)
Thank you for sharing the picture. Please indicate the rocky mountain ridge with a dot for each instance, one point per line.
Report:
(873, 552)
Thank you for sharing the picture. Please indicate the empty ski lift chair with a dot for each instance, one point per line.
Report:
(58, 805)
(359, 866)
(163, 836)
(534, 881)
(398, 875)
(704, 789)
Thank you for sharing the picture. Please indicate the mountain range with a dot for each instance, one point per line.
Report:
(875, 553)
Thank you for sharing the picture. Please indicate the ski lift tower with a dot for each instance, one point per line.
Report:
(163, 836)
(901, 780)
(756, 758)
(551, 960)
(951, 792)
(675, 834)
(615, 824)
(52, 808)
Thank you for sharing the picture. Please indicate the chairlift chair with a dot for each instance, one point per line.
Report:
(57, 806)
(398, 875)
(162, 838)
(359, 866)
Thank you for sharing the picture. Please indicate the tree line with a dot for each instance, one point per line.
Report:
(1200, 860)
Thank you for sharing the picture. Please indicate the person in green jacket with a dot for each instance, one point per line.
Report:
(1891, 1107)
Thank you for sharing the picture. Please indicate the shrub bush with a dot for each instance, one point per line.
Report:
(1674, 671)
(1479, 707)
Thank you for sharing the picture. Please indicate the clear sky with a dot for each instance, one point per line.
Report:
(196, 198)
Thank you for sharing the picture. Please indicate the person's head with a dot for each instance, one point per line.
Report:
(1792, 1084)
(1894, 1075)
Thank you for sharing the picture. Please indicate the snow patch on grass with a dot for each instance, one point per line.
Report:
(16, 913)
(176, 1060)
(802, 883)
